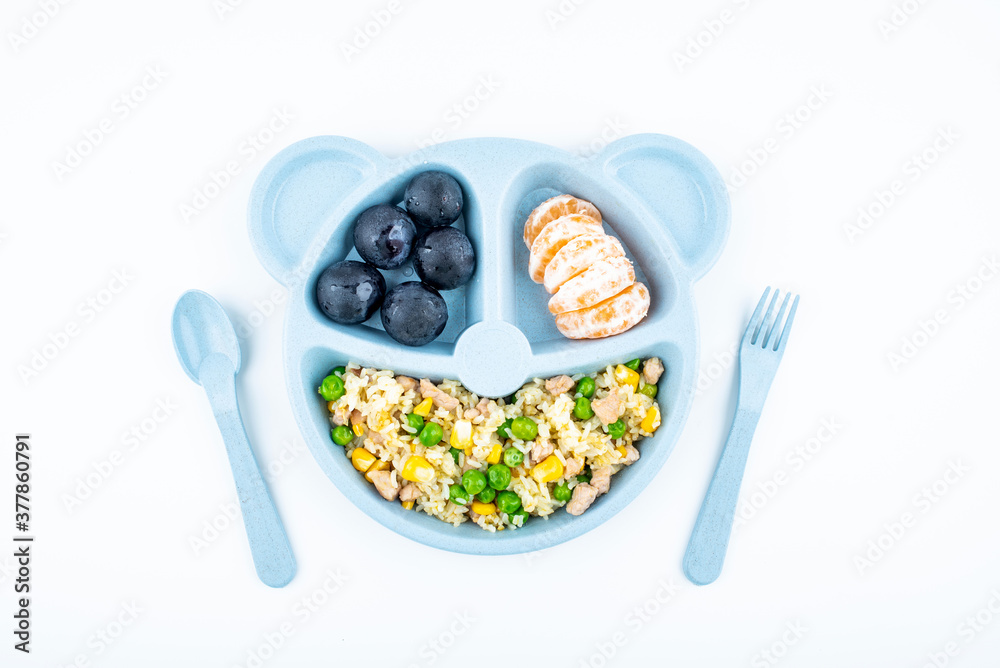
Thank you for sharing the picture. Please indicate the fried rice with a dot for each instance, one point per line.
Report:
(375, 404)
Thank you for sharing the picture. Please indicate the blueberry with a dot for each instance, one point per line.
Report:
(383, 235)
(434, 199)
(414, 314)
(349, 292)
(444, 258)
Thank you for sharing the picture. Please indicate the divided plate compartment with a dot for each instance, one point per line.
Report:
(661, 197)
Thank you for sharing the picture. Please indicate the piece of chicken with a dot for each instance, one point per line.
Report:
(600, 479)
(407, 383)
(559, 384)
(409, 492)
(541, 449)
(441, 399)
(607, 408)
(386, 486)
(652, 370)
(583, 496)
(573, 467)
(340, 414)
(482, 408)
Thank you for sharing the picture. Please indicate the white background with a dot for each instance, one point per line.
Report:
(563, 79)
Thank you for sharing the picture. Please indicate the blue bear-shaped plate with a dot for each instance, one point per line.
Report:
(660, 196)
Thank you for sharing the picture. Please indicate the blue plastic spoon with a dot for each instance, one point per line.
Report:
(209, 352)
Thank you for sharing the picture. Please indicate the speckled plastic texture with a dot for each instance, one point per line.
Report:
(660, 196)
(761, 350)
(209, 353)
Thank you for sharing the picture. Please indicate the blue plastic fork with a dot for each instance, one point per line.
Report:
(760, 352)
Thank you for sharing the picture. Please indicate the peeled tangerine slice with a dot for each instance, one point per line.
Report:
(578, 255)
(557, 234)
(610, 317)
(606, 278)
(553, 209)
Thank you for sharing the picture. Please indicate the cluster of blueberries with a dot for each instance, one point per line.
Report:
(413, 313)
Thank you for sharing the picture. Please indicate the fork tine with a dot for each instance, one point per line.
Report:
(765, 323)
(780, 344)
(751, 332)
(772, 332)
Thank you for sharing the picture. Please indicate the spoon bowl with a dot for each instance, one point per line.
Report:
(202, 328)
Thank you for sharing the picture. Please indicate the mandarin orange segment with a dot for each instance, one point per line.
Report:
(604, 279)
(578, 255)
(553, 209)
(557, 234)
(610, 317)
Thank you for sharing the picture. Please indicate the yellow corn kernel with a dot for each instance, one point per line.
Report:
(358, 429)
(622, 451)
(362, 459)
(651, 421)
(461, 434)
(417, 469)
(330, 405)
(377, 466)
(407, 505)
(548, 469)
(483, 508)
(626, 376)
(423, 409)
(495, 453)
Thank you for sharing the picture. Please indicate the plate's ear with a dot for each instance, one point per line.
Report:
(680, 187)
(297, 190)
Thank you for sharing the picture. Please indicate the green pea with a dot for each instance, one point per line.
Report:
(522, 513)
(634, 364)
(455, 452)
(473, 481)
(499, 476)
(649, 390)
(512, 399)
(524, 428)
(458, 495)
(585, 476)
(616, 429)
(504, 429)
(431, 434)
(582, 409)
(415, 421)
(342, 435)
(513, 457)
(508, 502)
(487, 495)
(339, 371)
(332, 388)
(586, 386)
(562, 492)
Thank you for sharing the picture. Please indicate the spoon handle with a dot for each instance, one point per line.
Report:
(272, 553)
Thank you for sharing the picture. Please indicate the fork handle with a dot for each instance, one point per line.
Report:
(706, 551)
